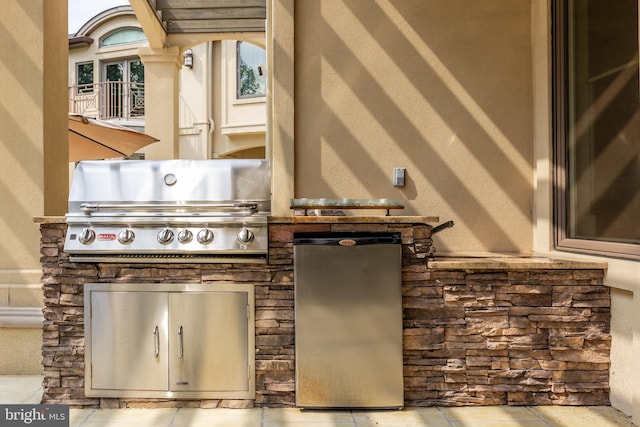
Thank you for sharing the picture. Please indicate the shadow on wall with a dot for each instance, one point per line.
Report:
(395, 83)
(13, 211)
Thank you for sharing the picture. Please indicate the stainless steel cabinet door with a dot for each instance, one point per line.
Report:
(208, 332)
(129, 341)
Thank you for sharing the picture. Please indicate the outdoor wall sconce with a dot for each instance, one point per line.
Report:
(188, 58)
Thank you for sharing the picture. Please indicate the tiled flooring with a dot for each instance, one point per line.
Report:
(26, 389)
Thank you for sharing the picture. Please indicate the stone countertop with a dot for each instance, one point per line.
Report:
(49, 219)
(306, 219)
(512, 262)
(395, 219)
(345, 203)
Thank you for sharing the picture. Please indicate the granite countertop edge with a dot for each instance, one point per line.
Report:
(303, 219)
(392, 219)
(53, 219)
(511, 262)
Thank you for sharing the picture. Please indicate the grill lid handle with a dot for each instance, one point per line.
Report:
(89, 208)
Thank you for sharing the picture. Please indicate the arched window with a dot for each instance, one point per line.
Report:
(123, 36)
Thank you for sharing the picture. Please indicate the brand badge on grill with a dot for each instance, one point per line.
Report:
(106, 236)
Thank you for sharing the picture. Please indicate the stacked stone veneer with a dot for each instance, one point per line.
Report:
(533, 337)
(470, 337)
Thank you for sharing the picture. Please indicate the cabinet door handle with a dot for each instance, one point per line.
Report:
(156, 342)
(180, 343)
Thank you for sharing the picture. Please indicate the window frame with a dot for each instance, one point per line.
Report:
(90, 89)
(260, 96)
(562, 241)
(106, 36)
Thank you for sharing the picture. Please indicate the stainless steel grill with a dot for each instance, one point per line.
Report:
(169, 211)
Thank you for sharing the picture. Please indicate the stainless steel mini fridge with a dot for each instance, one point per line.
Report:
(348, 320)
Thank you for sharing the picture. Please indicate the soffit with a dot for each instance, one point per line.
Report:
(210, 16)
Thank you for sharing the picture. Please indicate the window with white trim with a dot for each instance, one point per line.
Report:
(123, 36)
(251, 78)
(84, 77)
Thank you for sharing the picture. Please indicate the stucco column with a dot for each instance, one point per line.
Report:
(161, 100)
(34, 166)
(280, 104)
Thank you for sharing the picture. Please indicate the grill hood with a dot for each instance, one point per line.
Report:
(151, 211)
(170, 182)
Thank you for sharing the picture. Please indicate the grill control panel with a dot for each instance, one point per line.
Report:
(124, 239)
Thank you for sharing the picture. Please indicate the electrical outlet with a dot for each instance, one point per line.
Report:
(398, 177)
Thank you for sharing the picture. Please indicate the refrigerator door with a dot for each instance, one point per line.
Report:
(348, 311)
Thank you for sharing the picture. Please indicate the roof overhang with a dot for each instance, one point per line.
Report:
(198, 16)
(81, 41)
(209, 16)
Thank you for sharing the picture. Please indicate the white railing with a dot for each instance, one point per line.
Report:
(108, 100)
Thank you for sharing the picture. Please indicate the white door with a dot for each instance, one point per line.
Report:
(122, 89)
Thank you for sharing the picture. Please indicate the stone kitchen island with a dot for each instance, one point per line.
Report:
(477, 331)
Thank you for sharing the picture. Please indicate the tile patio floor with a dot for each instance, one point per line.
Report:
(27, 390)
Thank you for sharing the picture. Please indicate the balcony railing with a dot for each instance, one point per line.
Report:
(108, 100)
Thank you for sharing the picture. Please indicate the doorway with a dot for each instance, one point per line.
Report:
(123, 89)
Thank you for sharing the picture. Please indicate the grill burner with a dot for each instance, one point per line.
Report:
(169, 211)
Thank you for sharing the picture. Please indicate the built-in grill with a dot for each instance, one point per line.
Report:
(169, 211)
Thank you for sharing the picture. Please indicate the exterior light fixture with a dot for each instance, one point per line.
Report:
(188, 58)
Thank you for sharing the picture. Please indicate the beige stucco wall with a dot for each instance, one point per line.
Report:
(20, 351)
(442, 88)
(22, 124)
(33, 66)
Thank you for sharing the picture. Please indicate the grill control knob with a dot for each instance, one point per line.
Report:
(86, 236)
(126, 236)
(185, 236)
(245, 236)
(165, 236)
(205, 236)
